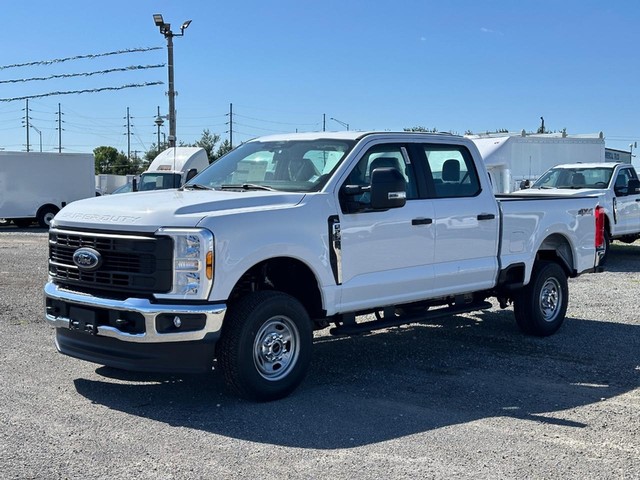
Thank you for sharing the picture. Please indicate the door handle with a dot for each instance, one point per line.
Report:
(486, 216)
(422, 221)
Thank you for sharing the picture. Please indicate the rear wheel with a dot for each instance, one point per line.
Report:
(22, 222)
(265, 348)
(540, 307)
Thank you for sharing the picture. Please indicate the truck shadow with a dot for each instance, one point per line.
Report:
(379, 387)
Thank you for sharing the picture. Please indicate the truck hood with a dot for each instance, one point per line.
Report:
(565, 192)
(147, 211)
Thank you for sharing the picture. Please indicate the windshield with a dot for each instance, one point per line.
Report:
(159, 181)
(290, 166)
(575, 178)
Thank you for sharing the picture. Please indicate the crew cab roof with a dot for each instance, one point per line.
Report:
(348, 135)
(590, 165)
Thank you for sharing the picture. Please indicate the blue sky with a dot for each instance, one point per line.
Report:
(385, 65)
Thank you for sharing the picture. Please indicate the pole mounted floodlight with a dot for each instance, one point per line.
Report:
(165, 30)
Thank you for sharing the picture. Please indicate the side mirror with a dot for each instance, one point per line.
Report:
(634, 186)
(524, 184)
(134, 185)
(388, 189)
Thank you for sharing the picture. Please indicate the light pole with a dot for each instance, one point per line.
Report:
(39, 133)
(165, 29)
(631, 147)
(159, 122)
(345, 125)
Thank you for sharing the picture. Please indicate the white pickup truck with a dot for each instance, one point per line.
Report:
(293, 233)
(616, 183)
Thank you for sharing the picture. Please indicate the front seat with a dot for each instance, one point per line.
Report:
(578, 180)
(302, 170)
(383, 162)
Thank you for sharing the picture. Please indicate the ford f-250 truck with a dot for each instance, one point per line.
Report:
(616, 183)
(291, 233)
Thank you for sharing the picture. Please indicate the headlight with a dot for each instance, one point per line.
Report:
(192, 263)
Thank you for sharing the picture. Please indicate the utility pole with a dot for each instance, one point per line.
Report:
(59, 130)
(128, 125)
(26, 116)
(231, 124)
(165, 29)
(324, 122)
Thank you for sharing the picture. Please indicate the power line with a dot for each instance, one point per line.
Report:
(91, 90)
(85, 74)
(79, 57)
(273, 121)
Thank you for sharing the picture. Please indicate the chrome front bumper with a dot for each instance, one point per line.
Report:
(214, 315)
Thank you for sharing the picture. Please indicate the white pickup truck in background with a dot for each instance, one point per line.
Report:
(616, 183)
(293, 233)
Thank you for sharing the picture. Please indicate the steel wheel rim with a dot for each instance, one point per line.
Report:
(48, 217)
(276, 348)
(550, 299)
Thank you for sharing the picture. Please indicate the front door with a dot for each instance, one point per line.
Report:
(626, 204)
(387, 255)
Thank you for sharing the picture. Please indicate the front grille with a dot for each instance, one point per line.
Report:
(131, 264)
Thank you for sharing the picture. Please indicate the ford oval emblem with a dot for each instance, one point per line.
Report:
(87, 258)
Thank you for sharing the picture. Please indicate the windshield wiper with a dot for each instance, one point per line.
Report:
(195, 186)
(247, 186)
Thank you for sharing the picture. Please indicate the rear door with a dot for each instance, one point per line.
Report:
(466, 221)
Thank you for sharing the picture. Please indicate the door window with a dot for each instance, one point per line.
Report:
(621, 186)
(381, 156)
(452, 170)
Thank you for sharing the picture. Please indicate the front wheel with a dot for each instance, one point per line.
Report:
(265, 347)
(540, 307)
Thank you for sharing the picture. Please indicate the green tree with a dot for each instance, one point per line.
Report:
(109, 160)
(223, 149)
(207, 141)
(420, 128)
(105, 159)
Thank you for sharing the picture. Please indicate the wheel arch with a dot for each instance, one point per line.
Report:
(285, 274)
(558, 248)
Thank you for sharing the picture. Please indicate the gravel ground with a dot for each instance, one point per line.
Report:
(469, 397)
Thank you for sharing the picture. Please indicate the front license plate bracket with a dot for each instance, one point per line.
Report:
(83, 320)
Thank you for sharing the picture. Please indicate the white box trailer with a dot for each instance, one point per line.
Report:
(34, 185)
(106, 183)
(512, 158)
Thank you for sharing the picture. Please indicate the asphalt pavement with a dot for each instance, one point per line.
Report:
(466, 397)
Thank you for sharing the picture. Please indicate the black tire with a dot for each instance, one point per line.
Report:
(540, 307)
(265, 348)
(22, 222)
(45, 216)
